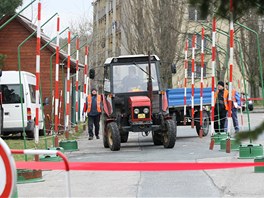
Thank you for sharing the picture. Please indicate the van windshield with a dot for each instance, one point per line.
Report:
(11, 94)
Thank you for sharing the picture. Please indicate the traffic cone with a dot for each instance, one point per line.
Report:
(211, 147)
(201, 133)
(228, 145)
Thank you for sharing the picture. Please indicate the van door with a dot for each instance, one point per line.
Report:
(12, 105)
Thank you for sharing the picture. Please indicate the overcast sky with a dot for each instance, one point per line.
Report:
(70, 12)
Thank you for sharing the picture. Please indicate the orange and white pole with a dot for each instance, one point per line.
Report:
(68, 87)
(230, 87)
(38, 73)
(185, 78)
(60, 107)
(193, 64)
(77, 83)
(201, 85)
(213, 80)
(57, 81)
(85, 87)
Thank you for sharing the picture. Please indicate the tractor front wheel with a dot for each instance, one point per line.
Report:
(169, 137)
(113, 136)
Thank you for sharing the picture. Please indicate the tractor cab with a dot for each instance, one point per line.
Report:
(134, 101)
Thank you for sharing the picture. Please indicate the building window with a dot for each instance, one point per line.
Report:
(195, 14)
(197, 70)
(198, 41)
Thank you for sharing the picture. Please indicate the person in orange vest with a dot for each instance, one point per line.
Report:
(236, 103)
(221, 107)
(93, 104)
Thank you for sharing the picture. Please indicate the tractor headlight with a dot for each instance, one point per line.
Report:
(136, 111)
(146, 110)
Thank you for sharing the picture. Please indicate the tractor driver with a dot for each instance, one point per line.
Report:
(131, 81)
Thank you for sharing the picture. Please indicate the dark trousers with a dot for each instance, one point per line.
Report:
(220, 120)
(93, 120)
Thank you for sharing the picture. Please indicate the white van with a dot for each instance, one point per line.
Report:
(11, 98)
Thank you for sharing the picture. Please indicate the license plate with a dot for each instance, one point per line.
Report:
(141, 115)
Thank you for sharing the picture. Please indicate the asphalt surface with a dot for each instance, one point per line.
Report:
(239, 182)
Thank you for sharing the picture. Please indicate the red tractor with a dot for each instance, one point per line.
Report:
(133, 101)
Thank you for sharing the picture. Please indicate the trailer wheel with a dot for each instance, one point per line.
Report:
(169, 137)
(205, 123)
(157, 138)
(124, 137)
(113, 136)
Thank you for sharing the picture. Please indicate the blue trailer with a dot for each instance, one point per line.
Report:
(176, 107)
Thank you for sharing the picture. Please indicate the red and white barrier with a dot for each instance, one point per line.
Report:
(68, 82)
(57, 76)
(193, 65)
(48, 152)
(85, 87)
(76, 82)
(201, 85)
(185, 78)
(36, 131)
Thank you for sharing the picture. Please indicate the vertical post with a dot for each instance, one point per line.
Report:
(38, 73)
(68, 87)
(60, 107)
(193, 64)
(201, 90)
(77, 83)
(57, 83)
(213, 81)
(230, 87)
(85, 77)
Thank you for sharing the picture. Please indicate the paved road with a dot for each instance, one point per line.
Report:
(242, 182)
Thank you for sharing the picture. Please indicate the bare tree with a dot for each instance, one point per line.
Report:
(155, 26)
(249, 49)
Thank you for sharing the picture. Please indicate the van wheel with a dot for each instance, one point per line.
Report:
(113, 136)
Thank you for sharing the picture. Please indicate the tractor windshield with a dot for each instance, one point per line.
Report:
(134, 77)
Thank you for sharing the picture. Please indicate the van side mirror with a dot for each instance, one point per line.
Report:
(173, 68)
(91, 73)
(46, 101)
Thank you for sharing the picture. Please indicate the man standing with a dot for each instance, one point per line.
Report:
(93, 103)
(236, 103)
(221, 107)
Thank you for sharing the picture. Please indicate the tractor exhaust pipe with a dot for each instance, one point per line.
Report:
(150, 90)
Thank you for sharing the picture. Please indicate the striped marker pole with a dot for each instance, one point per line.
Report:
(68, 87)
(202, 84)
(57, 83)
(193, 65)
(38, 74)
(77, 83)
(230, 87)
(60, 107)
(213, 81)
(85, 90)
(185, 78)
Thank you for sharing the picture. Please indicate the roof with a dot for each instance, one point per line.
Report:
(25, 22)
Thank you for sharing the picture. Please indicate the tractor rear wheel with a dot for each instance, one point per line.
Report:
(113, 136)
(169, 137)
(157, 138)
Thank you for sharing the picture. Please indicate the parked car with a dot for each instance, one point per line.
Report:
(244, 103)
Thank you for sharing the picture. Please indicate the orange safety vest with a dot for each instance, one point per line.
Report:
(225, 98)
(89, 103)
